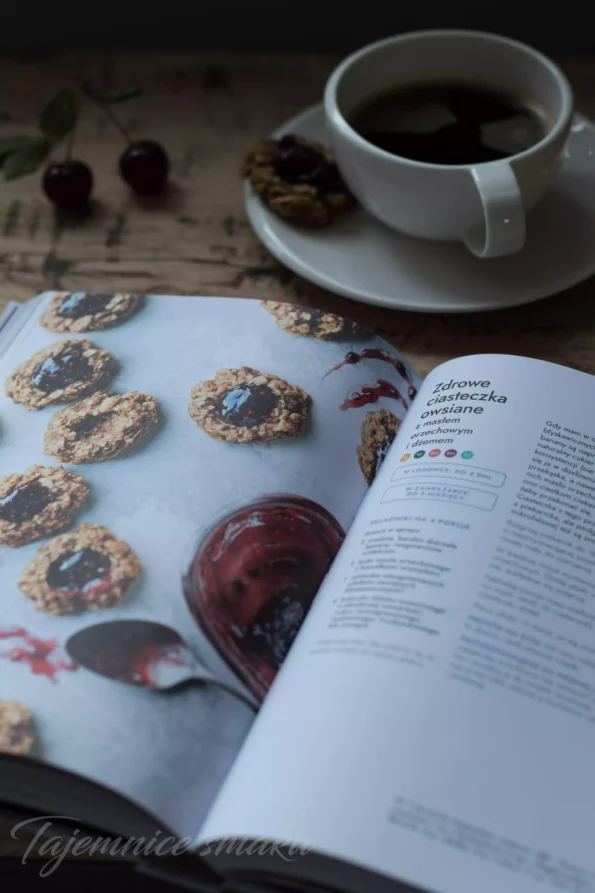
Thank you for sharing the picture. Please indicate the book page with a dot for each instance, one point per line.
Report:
(435, 721)
(177, 477)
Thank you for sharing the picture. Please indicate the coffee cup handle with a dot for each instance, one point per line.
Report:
(503, 231)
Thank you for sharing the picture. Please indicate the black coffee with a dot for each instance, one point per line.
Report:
(451, 123)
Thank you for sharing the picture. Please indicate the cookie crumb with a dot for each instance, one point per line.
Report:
(17, 732)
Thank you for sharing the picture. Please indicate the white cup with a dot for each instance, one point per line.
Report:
(485, 204)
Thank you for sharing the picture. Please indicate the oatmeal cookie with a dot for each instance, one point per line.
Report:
(17, 733)
(38, 502)
(298, 320)
(60, 373)
(79, 571)
(81, 311)
(100, 427)
(379, 429)
(246, 406)
(297, 179)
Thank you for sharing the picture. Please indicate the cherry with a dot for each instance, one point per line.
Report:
(144, 166)
(68, 184)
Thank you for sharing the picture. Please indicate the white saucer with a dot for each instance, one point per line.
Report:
(363, 259)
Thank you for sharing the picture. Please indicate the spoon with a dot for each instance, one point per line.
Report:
(143, 653)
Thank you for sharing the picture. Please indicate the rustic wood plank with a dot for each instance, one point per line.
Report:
(206, 108)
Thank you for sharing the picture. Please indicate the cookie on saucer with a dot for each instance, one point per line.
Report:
(298, 180)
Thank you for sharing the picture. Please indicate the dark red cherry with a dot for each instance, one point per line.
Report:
(144, 166)
(68, 184)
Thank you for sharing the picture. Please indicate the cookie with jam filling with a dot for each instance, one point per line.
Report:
(81, 311)
(247, 406)
(86, 569)
(101, 427)
(38, 502)
(298, 320)
(379, 429)
(298, 180)
(60, 373)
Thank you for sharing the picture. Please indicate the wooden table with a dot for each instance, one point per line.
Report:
(206, 109)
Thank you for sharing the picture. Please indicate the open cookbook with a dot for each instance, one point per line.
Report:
(265, 591)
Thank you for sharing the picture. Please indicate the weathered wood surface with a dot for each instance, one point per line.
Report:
(205, 109)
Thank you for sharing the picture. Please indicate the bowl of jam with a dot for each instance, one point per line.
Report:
(253, 578)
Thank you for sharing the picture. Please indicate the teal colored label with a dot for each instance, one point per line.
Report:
(467, 454)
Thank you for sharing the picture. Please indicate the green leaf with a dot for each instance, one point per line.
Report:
(11, 144)
(26, 160)
(122, 95)
(60, 115)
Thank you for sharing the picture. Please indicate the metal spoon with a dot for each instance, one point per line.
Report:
(143, 653)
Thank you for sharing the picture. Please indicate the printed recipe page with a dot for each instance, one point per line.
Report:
(442, 722)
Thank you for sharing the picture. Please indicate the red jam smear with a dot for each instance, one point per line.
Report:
(36, 653)
(373, 393)
(375, 353)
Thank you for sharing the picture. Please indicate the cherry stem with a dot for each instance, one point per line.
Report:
(105, 107)
(70, 143)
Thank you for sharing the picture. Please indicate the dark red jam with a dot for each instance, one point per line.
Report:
(81, 303)
(24, 502)
(373, 393)
(79, 573)
(373, 353)
(89, 423)
(253, 580)
(297, 163)
(62, 369)
(247, 406)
